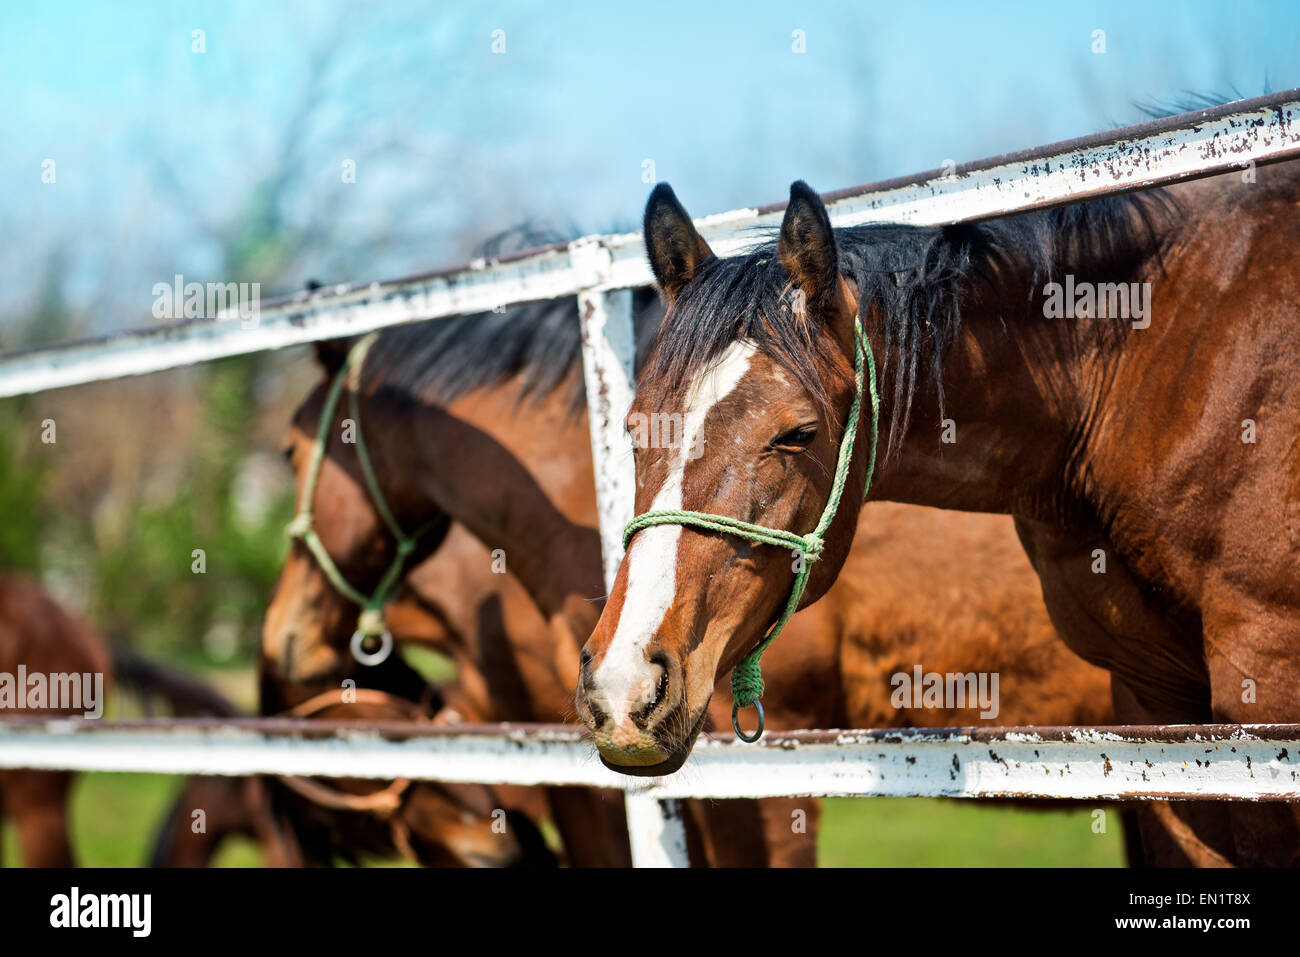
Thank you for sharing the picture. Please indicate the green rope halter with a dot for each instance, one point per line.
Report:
(370, 623)
(747, 676)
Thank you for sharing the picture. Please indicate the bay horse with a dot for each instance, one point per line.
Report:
(300, 822)
(40, 635)
(439, 825)
(433, 823)
(539, 515)
(506, 452)
(1150, 462)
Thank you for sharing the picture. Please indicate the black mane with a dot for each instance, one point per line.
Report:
(1189, 101)
(440, 360)
(918, 276)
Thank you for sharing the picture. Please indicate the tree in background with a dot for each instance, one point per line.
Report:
(160, 510)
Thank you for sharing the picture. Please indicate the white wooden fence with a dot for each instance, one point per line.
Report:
(1226, 762)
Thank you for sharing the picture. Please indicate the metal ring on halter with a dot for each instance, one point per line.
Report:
(376, 657)
(735, 722)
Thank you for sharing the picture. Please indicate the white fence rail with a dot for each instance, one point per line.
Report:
(1219, 762)
(1261, 130)
(1210, 762)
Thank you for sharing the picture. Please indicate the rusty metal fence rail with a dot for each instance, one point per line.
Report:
(1205, 762)
(1212, 762)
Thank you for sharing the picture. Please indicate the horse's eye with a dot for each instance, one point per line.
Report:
(287, 452)
(799, 437)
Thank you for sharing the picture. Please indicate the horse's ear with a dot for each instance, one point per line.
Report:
(807, 246)
(675, 247)
(332, 353)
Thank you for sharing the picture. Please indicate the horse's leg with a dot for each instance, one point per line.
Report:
(37, 804)
(592, 825)
(773, 832)
(177, 844)
(275, 833)
(718, 833)
(225, 812)
(1110, 621)
(1253, 655)
(791, 826)
(1132, 828)
(1171, 833)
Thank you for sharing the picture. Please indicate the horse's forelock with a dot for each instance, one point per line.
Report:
(749, 298)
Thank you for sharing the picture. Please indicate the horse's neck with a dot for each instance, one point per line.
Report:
(1004, 440)
(1039, 366)
(518, 477)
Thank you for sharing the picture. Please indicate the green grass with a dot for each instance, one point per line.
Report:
(434, 666)
(923, 832)
(115, 818)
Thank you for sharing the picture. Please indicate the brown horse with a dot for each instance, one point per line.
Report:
(300, 822)
(512, 462)
(432, 823)
(546, 503)
(1162, 525)
(231, 806)
(987, 617)
(437, 825)
(43, 638)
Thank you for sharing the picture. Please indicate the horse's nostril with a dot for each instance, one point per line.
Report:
(661, 689)
(585, 658)
(598, 717)
(659, 660)
(287, 656)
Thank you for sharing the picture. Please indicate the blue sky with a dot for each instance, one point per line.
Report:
(156, 147)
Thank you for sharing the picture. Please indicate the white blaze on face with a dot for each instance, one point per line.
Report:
(625, 680)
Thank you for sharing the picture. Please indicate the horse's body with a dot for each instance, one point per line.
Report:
(539, 514)
(38, 633)
(1153, 471)
(437, 824)
(518, 475)
(232, 806)
(300, 822)
(836, 669)
(834, 672)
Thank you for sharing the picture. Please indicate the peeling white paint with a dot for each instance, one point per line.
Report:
(608, 352)
(1233, 763)
(1263, 130)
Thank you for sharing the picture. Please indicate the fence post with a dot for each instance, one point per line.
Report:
(608, 348)
(655, 829)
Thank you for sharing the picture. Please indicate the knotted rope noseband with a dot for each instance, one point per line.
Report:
(370, 623)
(747, 676)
